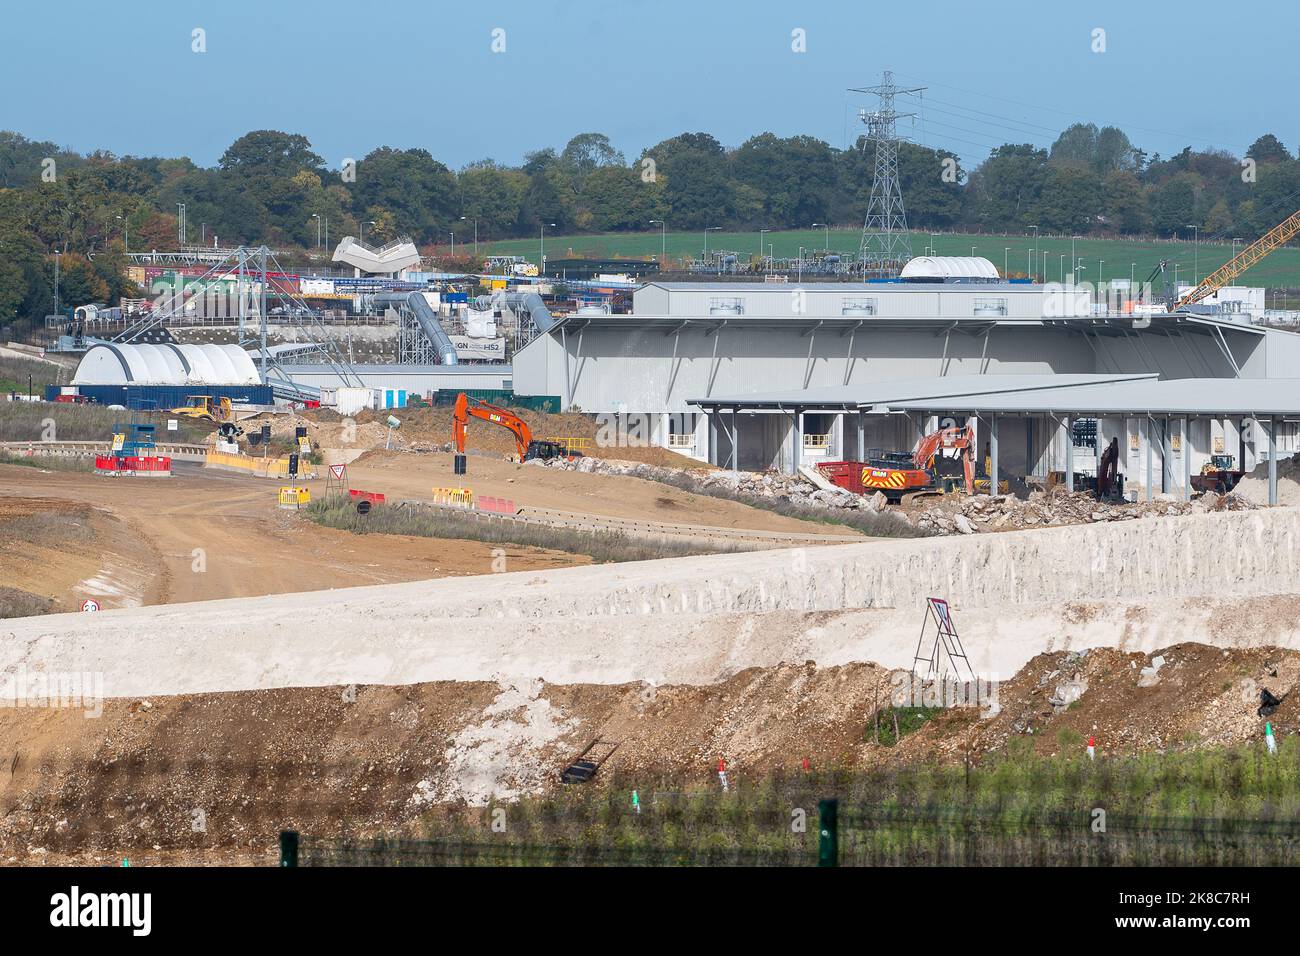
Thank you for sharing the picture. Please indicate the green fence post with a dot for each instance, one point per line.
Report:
(828, 839)
(288, 847)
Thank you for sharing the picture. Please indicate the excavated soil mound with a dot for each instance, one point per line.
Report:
(214, 777)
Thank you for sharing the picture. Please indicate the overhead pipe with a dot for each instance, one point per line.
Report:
(520, 302)
(427, 319)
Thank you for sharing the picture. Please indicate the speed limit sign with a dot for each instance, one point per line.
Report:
(90, 604)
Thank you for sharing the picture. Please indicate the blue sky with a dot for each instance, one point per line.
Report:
(352, 76)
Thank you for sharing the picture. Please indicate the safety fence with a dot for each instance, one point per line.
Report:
(257, 467)
(454, 497)
(374, 497)
(134, 466)
(292, 496)
(505, 506)
(852, 835)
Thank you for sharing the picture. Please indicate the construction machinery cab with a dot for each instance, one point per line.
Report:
(1219, 463)
(545, 450)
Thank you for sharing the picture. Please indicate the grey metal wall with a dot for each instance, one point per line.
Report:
(416, 379)
(607, 370)
(778, 300)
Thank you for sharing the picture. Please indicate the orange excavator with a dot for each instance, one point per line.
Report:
(929, 470)
(526, 446)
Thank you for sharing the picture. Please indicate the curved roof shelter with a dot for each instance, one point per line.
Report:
(111, 363)
(949, 267)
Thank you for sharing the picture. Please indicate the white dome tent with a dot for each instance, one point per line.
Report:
(110, 363)
(949, 269)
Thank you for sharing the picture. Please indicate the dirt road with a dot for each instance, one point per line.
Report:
(203, 535)
(412, 476)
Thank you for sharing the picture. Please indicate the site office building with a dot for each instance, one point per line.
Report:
(688, 341)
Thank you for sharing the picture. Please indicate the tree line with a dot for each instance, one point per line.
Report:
(273, 187)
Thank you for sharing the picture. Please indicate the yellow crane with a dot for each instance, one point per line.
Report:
(1279, 235)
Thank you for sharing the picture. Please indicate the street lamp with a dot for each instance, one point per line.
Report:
(1100, 264)
(663, 237)
(126, 226)
(453, 244)
(1062, 268)
(1074, 262)
(542, 252)
(1035, 228)
(368, 222)
(1006, 251)
(316, 216)
(828, 233)
(707, 230)
(761, 233)
(462, 219)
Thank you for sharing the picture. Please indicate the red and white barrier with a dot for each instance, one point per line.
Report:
(505, 506)
(133, 466)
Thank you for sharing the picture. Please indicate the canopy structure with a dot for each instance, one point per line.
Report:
(110, 363)
(949, 267)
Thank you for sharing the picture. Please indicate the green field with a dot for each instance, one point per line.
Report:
(1107, 258)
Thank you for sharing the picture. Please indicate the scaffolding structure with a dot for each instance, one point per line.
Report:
(251, 269)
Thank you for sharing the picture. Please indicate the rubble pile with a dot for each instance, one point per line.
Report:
(760, 484)
(947, 514)
(958, 514)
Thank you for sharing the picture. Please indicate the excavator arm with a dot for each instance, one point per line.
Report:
(959, 438)
(464, 411)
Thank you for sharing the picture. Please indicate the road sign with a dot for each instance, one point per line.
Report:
(338, 470)
(90, 604)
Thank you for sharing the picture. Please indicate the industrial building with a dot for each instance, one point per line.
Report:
(775, 375)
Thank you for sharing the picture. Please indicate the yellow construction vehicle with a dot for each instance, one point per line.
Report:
(207, 408)
(219, 411)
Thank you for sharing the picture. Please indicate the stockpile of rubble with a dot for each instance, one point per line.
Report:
(949, 514)
(761, 484)
(958, 514)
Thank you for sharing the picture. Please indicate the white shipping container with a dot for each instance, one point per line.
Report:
(349, 401)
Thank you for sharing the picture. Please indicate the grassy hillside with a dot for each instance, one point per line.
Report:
(1112, 258)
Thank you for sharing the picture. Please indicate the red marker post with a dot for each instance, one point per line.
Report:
(722, 774)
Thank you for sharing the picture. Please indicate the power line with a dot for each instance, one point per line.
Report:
(1075, 116)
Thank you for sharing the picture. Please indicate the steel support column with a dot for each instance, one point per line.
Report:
(1069, 453)
(1272, 460)
(1187, 459)
(1146, 426)
(993, 454)
(1166, 452)
(735, 443)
